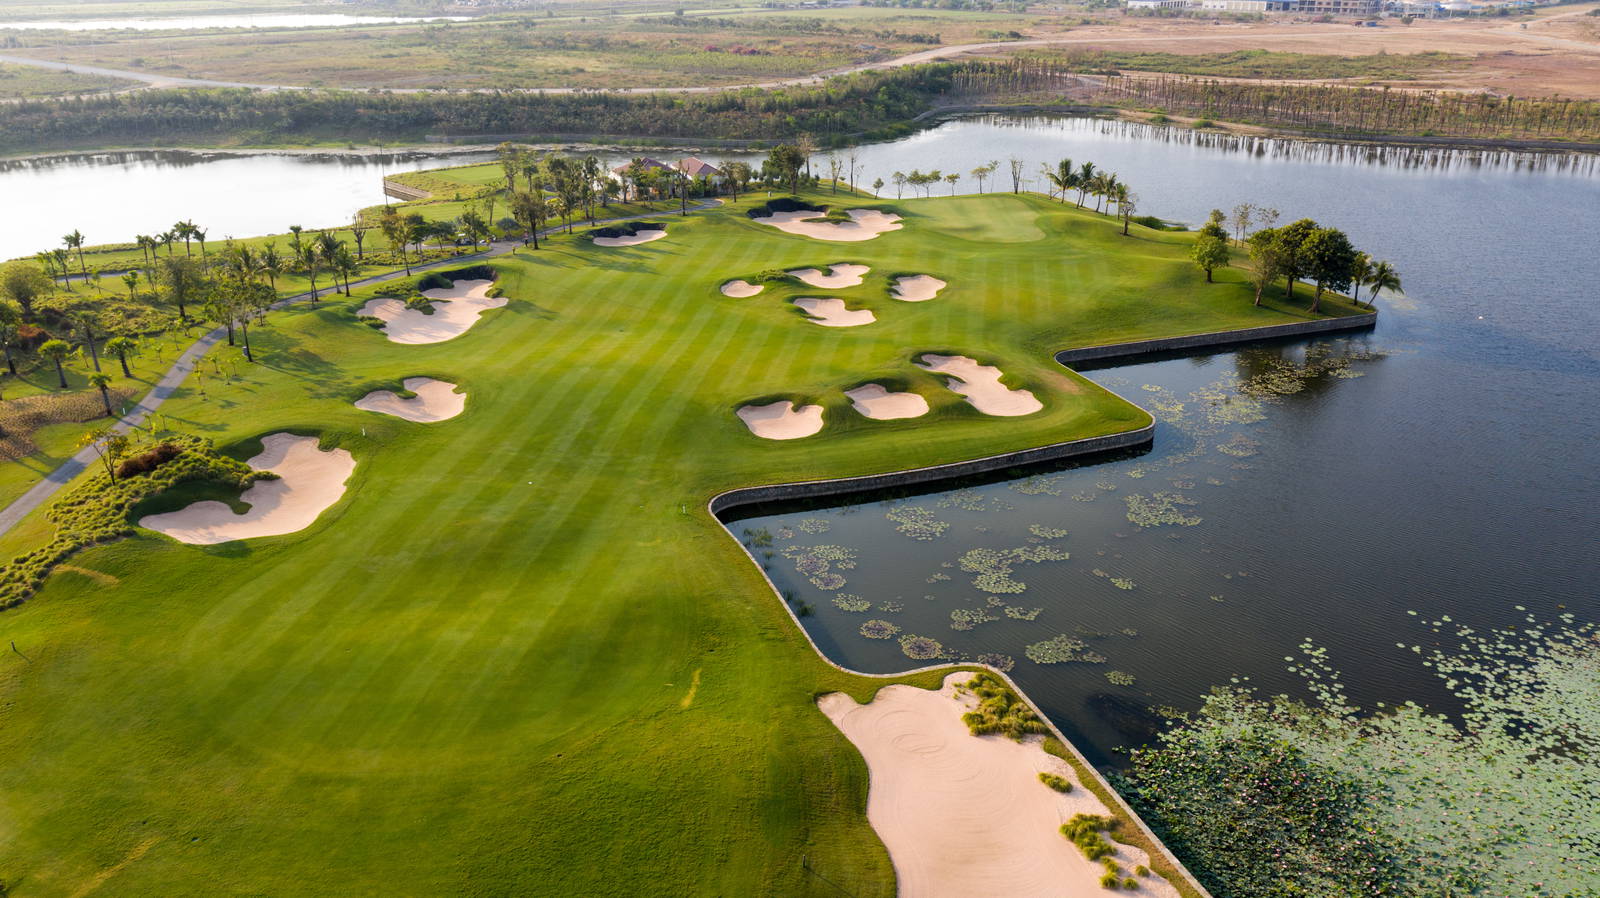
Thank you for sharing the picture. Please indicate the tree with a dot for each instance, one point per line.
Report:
(1297, 265)
(877, 185)
(56, 351)
(344, 265)
(131, 281)
(851, 158)
(109, 446)
(199, 235)
(1242, 216)
(1329, 258)
(951, 179)
(311, 263)
(1210, 250)
(1016, 174)
(271, 264)
(1383, 277)
(899, 184)
(1360, 271)
(23, 284)
(529, 210)
(395, 231)
(1063, 177)
(510, 164)
(786, 160)
(86, 323)
(10, 321)
(122, 347)
(1127, 204)
(73, 241)
(183, 280)
(358, 231)
(1270, 256)
(985, 171)
(835, 169)
(1086, 176)
(102, 382)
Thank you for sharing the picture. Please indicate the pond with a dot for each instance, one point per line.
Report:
(1443, 464)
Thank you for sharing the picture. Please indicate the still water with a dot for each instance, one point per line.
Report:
(188, 23)
(1444, 464)
(113, 196)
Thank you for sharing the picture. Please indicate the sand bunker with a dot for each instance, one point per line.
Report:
(966, 815)
(634, 239)
(309, 481)
(842, 275)
(864, 224)
(455, 309)
(981, 385)
(436, 400)
(832, 312)
(875, 401)
(781, 420)
(916, 288)
(739, 289)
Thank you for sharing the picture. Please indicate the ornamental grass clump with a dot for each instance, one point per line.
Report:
(1058, 783)
(999, 710)
(97, 512)
(1084, 831)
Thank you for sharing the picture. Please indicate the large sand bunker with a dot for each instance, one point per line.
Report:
(966, 815)
(875, 401)
(309, 482)
(843, 274)
(740, 289)
(435, 400)
(864, 224)
(634, 239)
(916, 288)
(981, 385)
(832, 312)
(455, 309)
(781, 420)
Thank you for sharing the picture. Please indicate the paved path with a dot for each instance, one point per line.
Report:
(169, 382)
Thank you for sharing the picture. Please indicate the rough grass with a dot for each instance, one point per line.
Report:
(470, 675)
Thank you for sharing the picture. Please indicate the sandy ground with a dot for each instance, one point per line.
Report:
(832, 312)
(309, 482)
(874, 401)
(631, 240)
(965, 815)
(456, 309)
(865, 224)
(839, 276)
(436, 400)
(739, 289)
(981, 385)
(781, 420)
(917, 288)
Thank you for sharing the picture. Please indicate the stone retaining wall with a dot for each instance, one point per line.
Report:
(1123, 352)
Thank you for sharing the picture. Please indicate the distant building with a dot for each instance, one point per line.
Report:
(1257, 6)
(697, 168)
(1362, 8)
(1160, 4)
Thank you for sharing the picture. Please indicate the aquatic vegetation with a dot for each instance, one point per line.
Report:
(1213, 481)
(1038, 485)
(1061, 650)
(891, 607)
(1106, 485)
(922, 648)
(1216, 598)
(972, 500)
(814, 526)
(849, 602)
(817, 563)
(1273, 797)
(993, 567)
(999, 710)
(1119, 678)
(967, 618)
(878, 629)
(785, 533)
(1239, 446)
(758, 538)
(995, 601)
(938, 576)
(1136, 473)
(1012, 611)
(1128, 631)
(1183, 484)
(1159, 509)
(997, 661)
(1083, 497)
(1044, 532)
(917, 522)
(1122, 582)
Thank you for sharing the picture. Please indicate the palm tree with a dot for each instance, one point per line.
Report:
(55, 351)
(1086, 173)
(394, 231)
(131, 280)
(10, 320)
(345, 264)
(1063, 177)
(102, 382)
(310, 259)
(271, 264)
(86, 322)
(63, 266)
(167, 238)
(1360, 273)
(1108, 189)
(186, 231)
(1383, 277)
(200, 235)
(74, 240)
(122, 347)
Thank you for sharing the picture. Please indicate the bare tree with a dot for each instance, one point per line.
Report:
(1016, 174)
(1243, 214)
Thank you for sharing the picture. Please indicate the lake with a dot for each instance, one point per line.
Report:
(1323, 490)
(189, 23)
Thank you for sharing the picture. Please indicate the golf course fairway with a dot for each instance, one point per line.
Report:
(518, 656)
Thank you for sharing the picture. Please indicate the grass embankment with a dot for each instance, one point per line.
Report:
(519, 657)
(20, 82)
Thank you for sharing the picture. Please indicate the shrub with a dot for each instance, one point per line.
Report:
(420, 303)
(1058, 783)
(146, 462)
(1130, 884)
(1083, 830)
(371, 321)
(783, 204)
(999, 710)
(1142, 870)
(1110, 881)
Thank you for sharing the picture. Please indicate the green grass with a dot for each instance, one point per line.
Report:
(19, 82)
(518, 656)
